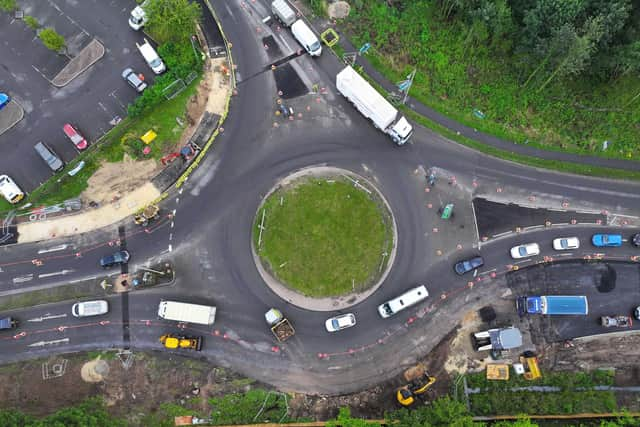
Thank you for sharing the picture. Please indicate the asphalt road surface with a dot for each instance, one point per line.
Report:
(209, 239)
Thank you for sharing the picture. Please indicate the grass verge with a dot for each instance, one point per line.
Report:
(323, 237)
(575, 394)
(50, 295)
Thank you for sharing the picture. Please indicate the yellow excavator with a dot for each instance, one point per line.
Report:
(181, 342)
(418, 382)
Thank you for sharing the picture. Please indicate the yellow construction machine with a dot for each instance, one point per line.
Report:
(418, 382)
(181, 342)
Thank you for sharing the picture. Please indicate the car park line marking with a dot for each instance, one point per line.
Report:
(41, 73)
(120, 104)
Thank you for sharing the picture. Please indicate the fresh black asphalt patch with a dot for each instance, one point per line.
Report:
(272, 48)
(288, 82)
(495, 218)
(611, 288)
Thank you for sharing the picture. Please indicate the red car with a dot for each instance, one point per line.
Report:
(75, 137)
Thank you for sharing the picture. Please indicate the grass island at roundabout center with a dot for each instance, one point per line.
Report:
(324, 233)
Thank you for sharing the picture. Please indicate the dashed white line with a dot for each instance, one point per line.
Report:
(170, 236)
(170, 248)
(172, 224)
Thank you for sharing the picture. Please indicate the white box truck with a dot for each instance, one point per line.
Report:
(284, 12)
(186, 312)
(373, 106)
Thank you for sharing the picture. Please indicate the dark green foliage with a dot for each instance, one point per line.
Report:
(344, 420)
(243, 408)
(441, 412)
(90, 413)
(557, 74)
(180, 61)
(8, 5)
(172, 20)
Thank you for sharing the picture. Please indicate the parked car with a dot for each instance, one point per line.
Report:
(468, 265)
(636, 312)
(117, 258)
(75, 137)
(8, 323)
(564, 243)
(4, 100)
(526, 250)
(616, 321)
(606, 240)
(635, 240)
(10, 190)
(90, 308)
(340, 322)
(134, 80)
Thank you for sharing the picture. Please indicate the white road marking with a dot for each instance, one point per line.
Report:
(170, 248)
(47, 317)
(43, 343)
(57, 273)
(54, 249)
(22, 279)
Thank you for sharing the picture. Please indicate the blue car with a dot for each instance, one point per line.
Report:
(4, 100)
(118, 258)
(606, 240)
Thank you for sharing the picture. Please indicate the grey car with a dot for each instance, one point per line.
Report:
(134, 80)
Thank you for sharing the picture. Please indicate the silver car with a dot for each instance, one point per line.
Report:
(337, 323)
(524, 251)
(134, 80)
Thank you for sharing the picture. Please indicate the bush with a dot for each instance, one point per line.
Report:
(51, 39)
(8, 5)
(31, 22)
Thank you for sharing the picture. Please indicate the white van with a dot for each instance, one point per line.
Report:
(10, 190)
(151, 56)
(90, 308)
(306, 38)
(186, 312)
(409, 298)
(138, 17)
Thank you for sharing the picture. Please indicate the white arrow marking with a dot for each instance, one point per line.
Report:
(43, 343)
(47, 317)
(57, 273)
(54, 249)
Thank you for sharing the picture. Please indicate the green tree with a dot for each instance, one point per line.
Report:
(8, 5)
(344, 420)
(172, 20)
(31, 22)
(51, 39)
(90, 413)
(442, 412)
(520, 422)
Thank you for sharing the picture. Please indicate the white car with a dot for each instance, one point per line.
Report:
(524, 251)
(10, 190)
(340, 322)
(564, 243)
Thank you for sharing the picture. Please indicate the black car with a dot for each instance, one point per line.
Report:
(635, 240)
(120, 257)
(468, 265)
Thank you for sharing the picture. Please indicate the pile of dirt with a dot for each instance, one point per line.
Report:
(114, 180)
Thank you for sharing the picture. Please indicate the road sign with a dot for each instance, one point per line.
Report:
(364, 48)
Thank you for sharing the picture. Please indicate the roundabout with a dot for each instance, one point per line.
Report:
(324, 238)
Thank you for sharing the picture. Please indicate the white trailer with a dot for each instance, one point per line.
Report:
(284, 12)
(372, 105)
(185, 312)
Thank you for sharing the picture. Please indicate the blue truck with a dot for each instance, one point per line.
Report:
(553, 305)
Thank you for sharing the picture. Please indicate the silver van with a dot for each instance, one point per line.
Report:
(90, 308)
(49, 156)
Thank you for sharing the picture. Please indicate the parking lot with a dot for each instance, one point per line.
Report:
(611, 288)
(93, 100)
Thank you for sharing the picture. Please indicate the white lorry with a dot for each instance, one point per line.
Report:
(186, 312)
(284, 12)
(373, 106)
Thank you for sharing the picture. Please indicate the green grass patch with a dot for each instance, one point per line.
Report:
(575, 394)
(457, 74)
(323, 237)
(245, 408)
(49, 295)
